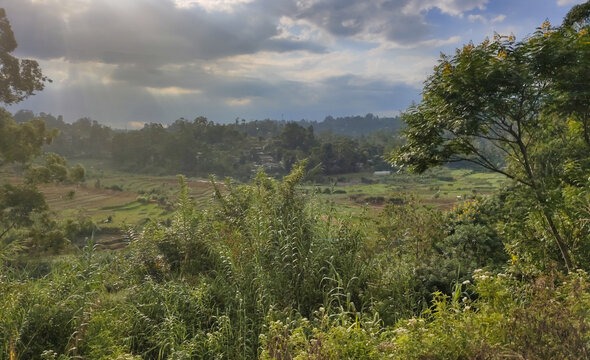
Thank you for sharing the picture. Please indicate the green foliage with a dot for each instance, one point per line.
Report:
(527, 99)
(22, 142)
(538, 320)
(578, 14)
(267, 270)
(19, 79)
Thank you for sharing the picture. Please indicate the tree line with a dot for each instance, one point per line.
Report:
(202, 147)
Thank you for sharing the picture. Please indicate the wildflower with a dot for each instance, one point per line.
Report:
(467, 307)
(447, 69)
(583, 32)
(467, 48)
(464, 299)
(502, 55)
(466, 282)
(400, 331)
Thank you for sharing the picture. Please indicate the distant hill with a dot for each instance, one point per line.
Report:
(353, 126)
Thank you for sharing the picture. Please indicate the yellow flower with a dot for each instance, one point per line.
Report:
(502, 55)
(546, 25)
(447, 69)
(467, 48)
(583, 32)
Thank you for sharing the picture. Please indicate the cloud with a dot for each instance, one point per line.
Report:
(238, 102)
(474, 18)
(225, 99)
(486, 20)
(568, 2)
(148, 31)
(172, 91)
(213, 5)
(136, 124)
(451, 7)
(498, 18)
(157, 60)
(369, 19)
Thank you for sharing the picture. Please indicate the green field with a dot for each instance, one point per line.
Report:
(440, 188)
(116, 200)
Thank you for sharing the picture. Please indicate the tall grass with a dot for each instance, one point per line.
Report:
(268, 271)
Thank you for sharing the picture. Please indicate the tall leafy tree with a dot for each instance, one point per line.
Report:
(22, 142)
(502, 94)
(19, 78)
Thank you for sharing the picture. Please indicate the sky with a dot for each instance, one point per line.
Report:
(128, 62)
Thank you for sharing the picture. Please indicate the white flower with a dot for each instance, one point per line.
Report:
(466, 282)
(400, 331)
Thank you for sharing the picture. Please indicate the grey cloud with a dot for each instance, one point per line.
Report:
(149, 32)
(400, 21)
(157, 32)
(119, 104)
(193, 77)
(376, 18)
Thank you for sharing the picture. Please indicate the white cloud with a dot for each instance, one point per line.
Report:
(172, 91)
(136, 124)
(486, 20)
(451, 7)
(212, 5)
(569, 2)
(238, 102)
(474, 18)
(426, 44)
(498, 18)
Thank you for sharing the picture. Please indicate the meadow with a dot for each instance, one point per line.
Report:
(116, 200)
(129, 199)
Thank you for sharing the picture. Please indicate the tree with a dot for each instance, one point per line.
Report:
(17, 203)
(578, 16)
(19, 79)
(22, 142)
(502, 94)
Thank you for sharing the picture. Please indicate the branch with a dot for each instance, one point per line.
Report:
(492, 168)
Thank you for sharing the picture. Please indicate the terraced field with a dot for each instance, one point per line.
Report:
(116, 200)
(123, 206)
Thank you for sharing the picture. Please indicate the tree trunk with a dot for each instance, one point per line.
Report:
(558, 239)
(540, 194)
